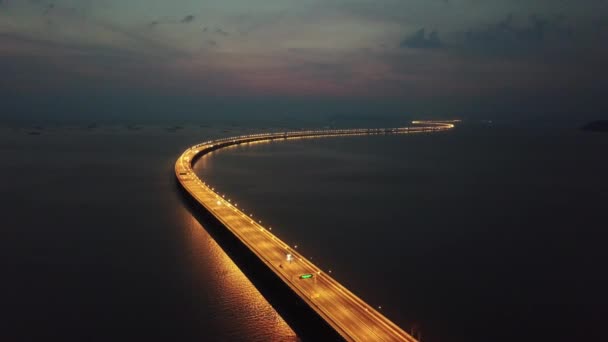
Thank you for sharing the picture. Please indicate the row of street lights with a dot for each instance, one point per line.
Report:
(270, 136)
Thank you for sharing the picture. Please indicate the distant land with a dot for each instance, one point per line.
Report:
(597, 126)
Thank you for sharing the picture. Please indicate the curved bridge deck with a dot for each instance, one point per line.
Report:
(349, 315)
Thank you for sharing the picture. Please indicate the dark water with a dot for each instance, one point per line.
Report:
(96, 245)
(474, 235)
(480, 234)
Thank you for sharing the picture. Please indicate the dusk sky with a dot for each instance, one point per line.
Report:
(151, 55)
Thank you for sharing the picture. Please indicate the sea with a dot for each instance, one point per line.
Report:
(493, 231)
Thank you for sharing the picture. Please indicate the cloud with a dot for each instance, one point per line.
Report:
(507, 37)
(49, 8)
(363, 48)
(221, 32)
(167, 20)
(217, 31)
(188, 19)
(419, 40)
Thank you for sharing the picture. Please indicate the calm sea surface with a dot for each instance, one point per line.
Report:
(479, 234)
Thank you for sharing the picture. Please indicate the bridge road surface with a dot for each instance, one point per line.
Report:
(349, 315)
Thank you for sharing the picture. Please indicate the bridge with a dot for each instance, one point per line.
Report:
(349, 315)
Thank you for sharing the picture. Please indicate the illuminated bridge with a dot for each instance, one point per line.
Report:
(347, 314)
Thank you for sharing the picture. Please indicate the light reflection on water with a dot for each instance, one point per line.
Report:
(258, 321)
(474, 224)
(94, 225)
(99, 245)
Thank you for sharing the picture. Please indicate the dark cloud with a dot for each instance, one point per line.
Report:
(419, 40)
(221, 32)
(49, 8)
(476, 48)
(188, 19)
(217, 31)
(172, 21)
(507, 37)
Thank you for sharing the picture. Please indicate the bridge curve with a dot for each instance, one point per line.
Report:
(346, 313)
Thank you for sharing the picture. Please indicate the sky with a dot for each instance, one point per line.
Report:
(139, 58)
